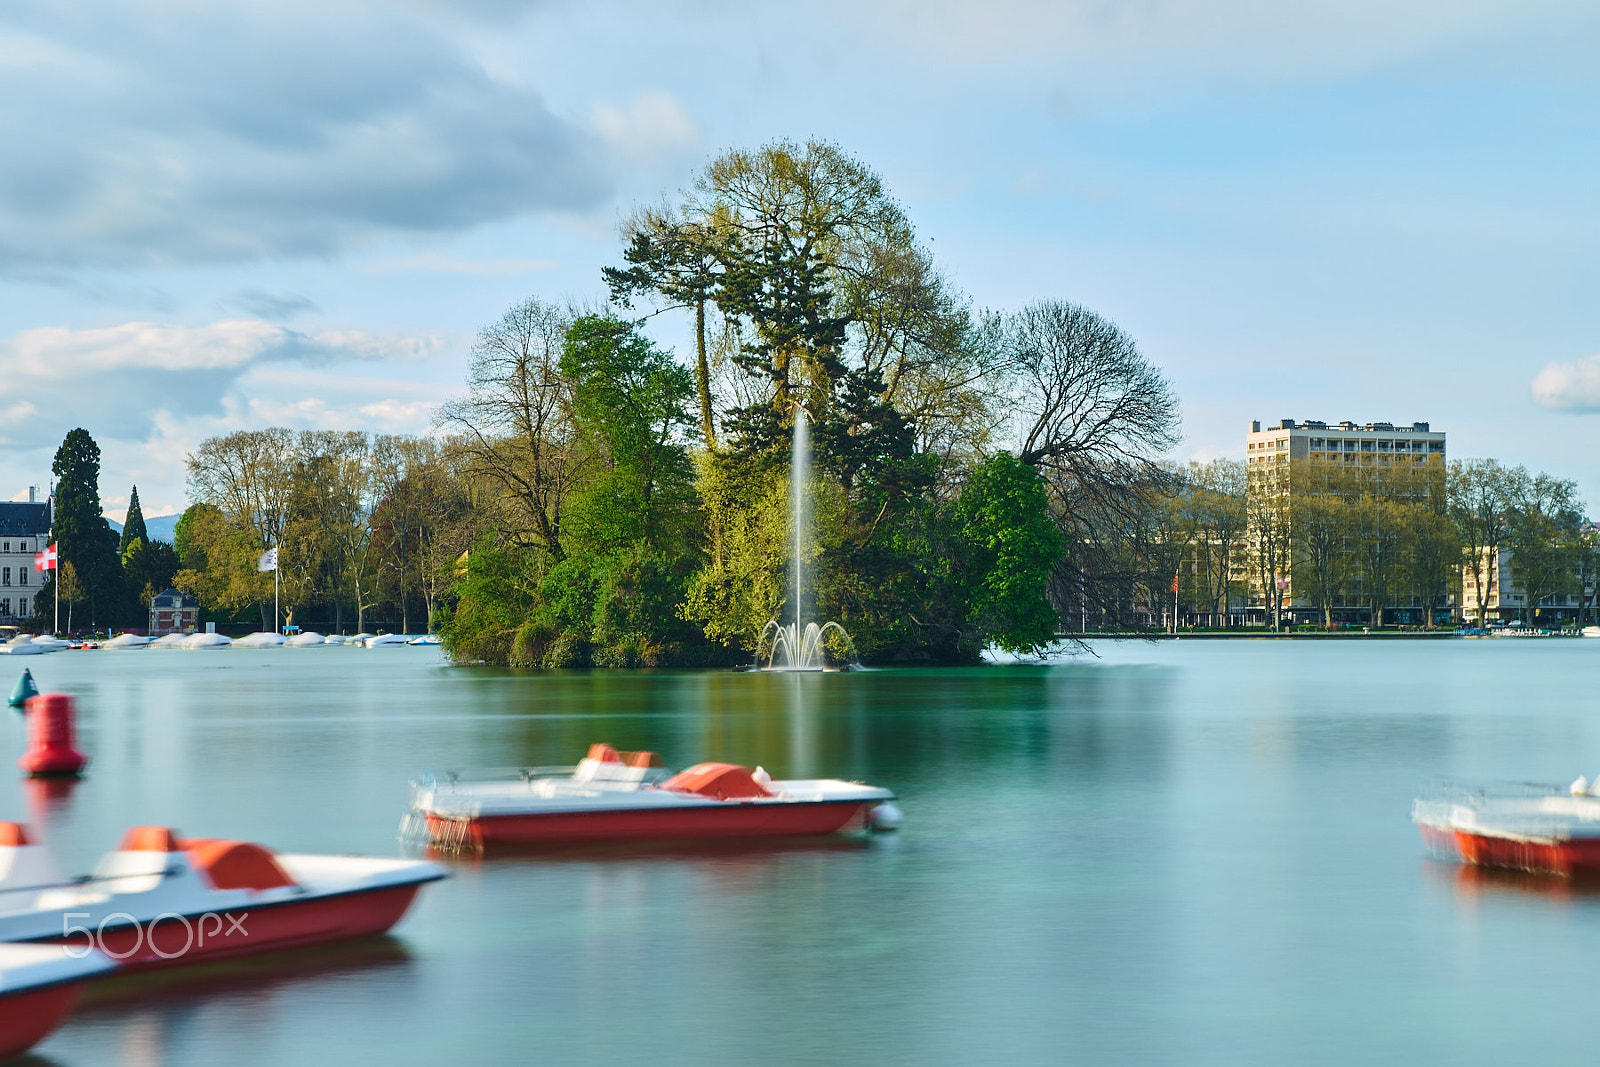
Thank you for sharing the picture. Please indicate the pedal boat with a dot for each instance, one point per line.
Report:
(39, 984)
(159, 901)
(1541, 829)
(629, 796)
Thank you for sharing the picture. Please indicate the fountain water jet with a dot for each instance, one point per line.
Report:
(803, 644)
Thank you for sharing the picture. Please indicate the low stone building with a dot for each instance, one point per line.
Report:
(172, 612)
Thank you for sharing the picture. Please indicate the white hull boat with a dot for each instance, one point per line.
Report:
(616, 796)
(205, 642)
(161, 901)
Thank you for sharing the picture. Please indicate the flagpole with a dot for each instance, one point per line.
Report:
(57, 583)
(275, 591)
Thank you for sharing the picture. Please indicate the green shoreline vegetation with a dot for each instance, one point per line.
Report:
(979, 478)
(591, 500)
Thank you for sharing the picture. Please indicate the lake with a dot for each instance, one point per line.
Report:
(1175, 852)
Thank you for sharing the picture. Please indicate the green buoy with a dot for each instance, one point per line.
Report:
(23, 689)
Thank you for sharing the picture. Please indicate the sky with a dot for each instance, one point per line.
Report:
(217, 216)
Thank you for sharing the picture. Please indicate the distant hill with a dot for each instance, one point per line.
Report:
(159, 527)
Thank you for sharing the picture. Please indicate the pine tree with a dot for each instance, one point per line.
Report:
(84, 537)
(133, 524)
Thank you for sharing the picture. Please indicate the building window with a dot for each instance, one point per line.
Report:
(1435, 446)
(5, 576)
(5, 546)
(5, 607)
(1401, 446)
(1283, 442)
(1316, 444)
(22, 576)
(22, 606)
(23, 547)
(1384, 446)
(1349, 446)
(1368, 446)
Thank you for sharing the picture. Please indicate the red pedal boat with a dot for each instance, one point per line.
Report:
(38, 986)
(161, 901)
(1536, 828)
(619, 796)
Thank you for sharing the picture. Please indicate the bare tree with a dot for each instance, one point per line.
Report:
(1220, 492)
(1093, 416)
(515, 423)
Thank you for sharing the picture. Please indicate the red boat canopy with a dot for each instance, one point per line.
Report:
(720, 781)
(227, 864)
(236, 864)
(13, 835)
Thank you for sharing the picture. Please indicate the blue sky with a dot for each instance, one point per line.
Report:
(216, 216)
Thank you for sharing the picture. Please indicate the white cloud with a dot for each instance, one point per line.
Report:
(208, 131)
(1573, 386)
(118, 381)
(652, 127)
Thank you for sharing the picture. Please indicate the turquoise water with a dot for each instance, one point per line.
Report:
(1190, 852)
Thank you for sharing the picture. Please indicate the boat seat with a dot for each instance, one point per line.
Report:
(235, 864)
(148, 839)
(720, 781)
(23, 864)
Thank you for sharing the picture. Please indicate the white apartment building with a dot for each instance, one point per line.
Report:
(24, 530)
(1276, 457)
(1274, 450)
(1505, 599)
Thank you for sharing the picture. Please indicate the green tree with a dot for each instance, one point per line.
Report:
(1322, 524)
(132, 524)
(1004, 514)
(148, 568)
(1480, 497)
(1544, 538)
(83, 537)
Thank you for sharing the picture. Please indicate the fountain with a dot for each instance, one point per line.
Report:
(803, 644)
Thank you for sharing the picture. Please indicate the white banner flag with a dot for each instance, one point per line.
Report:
(268, 560)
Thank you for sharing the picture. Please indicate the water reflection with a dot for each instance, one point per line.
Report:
(1471, 882)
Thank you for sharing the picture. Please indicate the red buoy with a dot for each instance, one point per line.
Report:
(51, 742)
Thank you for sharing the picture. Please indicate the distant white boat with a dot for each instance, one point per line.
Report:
(359, 639)
(309, 639)
(260, 639)
(49, 642)
(127, 641)
(1591, 631)
(385, 641)
(22, 646)
(170, 641)
(204, 641)
(335, 639)
(426, 639)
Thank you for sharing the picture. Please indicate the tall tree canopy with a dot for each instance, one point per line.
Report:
(83, 536)
(132, 523)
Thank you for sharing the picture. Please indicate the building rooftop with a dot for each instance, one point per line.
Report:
(1347, 427)
(22, 519)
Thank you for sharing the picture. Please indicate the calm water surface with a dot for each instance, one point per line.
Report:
(1190, 852)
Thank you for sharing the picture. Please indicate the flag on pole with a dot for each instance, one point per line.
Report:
(46, 560)
(1174, 581)
(268, 560)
